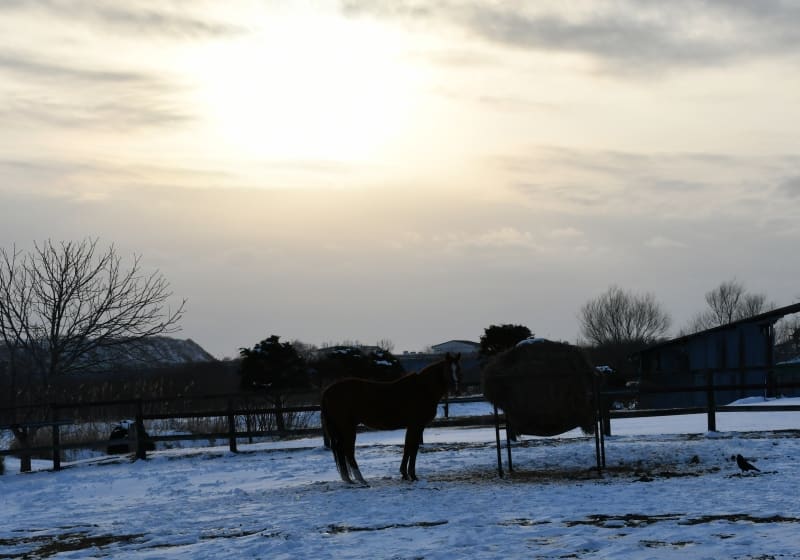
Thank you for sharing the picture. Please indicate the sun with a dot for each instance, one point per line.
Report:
(306, 87)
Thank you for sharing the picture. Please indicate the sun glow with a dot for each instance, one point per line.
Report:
(310, 88)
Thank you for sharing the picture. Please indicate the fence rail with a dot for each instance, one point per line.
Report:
(606, 397)
(139, 440)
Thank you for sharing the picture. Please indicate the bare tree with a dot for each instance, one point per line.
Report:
(64, 308)
(754, 304)
(618, 317)
(385, 344)
(60, 305)
(787, 338)
(724, 301)
(728, 302)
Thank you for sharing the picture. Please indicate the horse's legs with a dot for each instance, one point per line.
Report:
(409, 463)
(341, 462)
(404, 465)
(350, 454)
(338, 441)
(412, 460)
(404, 462)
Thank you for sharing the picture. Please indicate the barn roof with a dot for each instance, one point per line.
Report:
(768, 317)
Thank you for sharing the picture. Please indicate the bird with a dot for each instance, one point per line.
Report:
(742, 463)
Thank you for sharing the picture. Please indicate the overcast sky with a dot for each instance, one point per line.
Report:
(412, 171)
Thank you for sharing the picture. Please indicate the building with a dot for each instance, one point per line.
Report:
(456, 346)
(470, 367)
(738, 353)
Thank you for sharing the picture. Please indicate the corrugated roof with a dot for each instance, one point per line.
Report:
(763, 318)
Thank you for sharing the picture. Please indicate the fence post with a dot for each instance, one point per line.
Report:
(603, 449)
(280, 419)
(605, 414)
(56, 438)
(141, 447)
(508, 449)
(597, 423)
(231, 427)
(711, 402)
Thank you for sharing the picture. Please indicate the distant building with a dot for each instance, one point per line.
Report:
(470, 368)
(455, 346)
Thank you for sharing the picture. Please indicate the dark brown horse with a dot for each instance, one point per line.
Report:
(410, 402)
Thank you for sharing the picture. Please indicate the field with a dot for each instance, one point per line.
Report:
(670, 491)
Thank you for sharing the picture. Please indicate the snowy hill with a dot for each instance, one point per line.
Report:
(163, 350)
(154, 352)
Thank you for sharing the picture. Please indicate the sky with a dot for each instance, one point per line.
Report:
(410, 171)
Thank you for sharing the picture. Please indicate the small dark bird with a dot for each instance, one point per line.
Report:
(744, 465)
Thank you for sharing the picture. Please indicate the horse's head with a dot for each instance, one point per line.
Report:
(452, 368)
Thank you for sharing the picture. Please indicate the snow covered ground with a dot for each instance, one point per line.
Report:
(670, 490)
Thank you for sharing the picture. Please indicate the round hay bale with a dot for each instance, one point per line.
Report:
(545, 388)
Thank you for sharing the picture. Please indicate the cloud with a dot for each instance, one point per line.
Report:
(115, 113)
(567, 233)
(138, 18)
(42, 177)
(53, 92)
(662, 242)
(511, 103)
(509, 242)
(614, 38)
(30, 66)
(493, 240)
(624, 37)
(790, 187)
(669, 184)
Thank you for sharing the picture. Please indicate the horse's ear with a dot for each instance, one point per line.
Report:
(458, 356)
(448, 357)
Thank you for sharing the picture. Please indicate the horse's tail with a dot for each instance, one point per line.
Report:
(334, 438)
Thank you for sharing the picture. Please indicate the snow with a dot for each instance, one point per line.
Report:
(531, 340)
(670, 490)
(795, 360)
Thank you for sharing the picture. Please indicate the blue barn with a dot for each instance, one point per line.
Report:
(738, 353)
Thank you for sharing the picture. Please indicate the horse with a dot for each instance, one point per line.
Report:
(409, 402)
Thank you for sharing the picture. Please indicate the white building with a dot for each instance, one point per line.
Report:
(456, 346)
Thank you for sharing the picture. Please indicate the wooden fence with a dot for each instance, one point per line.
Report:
(139, 440)
(710, 409)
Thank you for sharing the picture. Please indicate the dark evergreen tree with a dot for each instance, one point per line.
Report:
(498, 338)
(338, 362)
(383, 365)
(273, 368)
